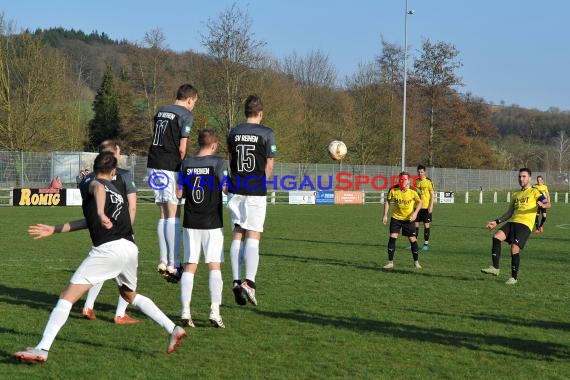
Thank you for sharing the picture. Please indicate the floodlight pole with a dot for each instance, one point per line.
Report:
(405, 85)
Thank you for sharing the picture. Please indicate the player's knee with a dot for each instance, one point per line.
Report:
(127, 294)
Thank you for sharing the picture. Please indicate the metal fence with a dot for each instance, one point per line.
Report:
(36, 170)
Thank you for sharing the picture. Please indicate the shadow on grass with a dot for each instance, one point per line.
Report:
(324, 241)
(502, 345)
(41, 300)
(376, 267)
(511, 321)
(320, 260)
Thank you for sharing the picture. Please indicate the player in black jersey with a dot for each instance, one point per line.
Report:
(113, 255)
(123, 181)
(204, 179)
(172, 125)
(251, 148)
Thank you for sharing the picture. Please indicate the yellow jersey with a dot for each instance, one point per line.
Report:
(424, 188)
(404, 202)
(524, 205)
(543, 189)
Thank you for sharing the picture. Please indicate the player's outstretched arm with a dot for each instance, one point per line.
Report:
(503, 218)
(40, 231)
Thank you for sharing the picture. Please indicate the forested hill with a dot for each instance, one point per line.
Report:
(89, 86)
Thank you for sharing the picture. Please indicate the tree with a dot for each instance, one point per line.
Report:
(434, 76)
(105, 122)
(325, 111)
(232, 43)
(36, 95)
(134, 129)
(151, 67)
(562, 146)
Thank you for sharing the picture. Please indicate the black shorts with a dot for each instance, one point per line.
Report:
(424, 216)
(516, 233)
(541, 210)
(408, 228)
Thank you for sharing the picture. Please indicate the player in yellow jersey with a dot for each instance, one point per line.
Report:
(407, 204)
(516, 232)
(539, 227)
(425, 189)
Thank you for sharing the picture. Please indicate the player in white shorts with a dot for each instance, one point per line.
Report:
(123, 181)
(172, 125)
(113, 255)
(203, 177)
(251, 148)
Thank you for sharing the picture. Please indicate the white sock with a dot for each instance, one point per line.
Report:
(177, 237)
(121, 307)
(56, 320)
(148, 307)
(216, 285)
(92, 295)
(170, 234)
(251, 256)
(186, 286)
(163, 248)
(236, 260)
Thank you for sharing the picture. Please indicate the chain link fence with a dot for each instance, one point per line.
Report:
(36, 170)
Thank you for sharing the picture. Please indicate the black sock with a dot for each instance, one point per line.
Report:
(542, 221)
(391, 248)
(515, 262)
(496, 252)
(415, 250)
(417, 231)
(426, 235)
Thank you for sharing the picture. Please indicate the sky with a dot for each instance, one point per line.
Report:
(512, 51)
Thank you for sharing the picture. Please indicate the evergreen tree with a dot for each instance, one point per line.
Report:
(105, 122)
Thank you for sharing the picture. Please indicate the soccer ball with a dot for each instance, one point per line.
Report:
(337, 150)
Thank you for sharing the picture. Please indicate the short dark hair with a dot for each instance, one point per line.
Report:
(421, 167)
(525, 170)
(186, 91)
(539, 176)
(104, 163)
(207, 137)
(109, 145)
(253, 106)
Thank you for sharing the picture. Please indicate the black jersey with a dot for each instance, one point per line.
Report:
(250, 146)
(125, 176)
(123, 181)
(171, 123)
(203, 178)
(115, 208)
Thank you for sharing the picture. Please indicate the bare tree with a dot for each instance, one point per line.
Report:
(151, 68)
(36, 91)
(562, 146)
(434, 75)
(232, 43)
(323, 108)
(311, 71)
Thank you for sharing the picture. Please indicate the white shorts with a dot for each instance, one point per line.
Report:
(248, 211)
(164, 184)
(116, 259)
(212, 241)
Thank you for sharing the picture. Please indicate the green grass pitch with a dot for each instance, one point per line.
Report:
(326, 309)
